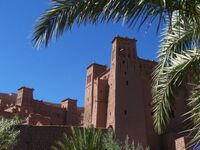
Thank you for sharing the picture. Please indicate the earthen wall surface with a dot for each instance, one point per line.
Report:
(32, 111)
(40, 137)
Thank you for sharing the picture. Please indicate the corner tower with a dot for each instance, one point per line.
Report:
(24, 96)
(125, 113)
(93, 71)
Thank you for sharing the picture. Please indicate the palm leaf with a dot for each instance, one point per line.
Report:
(65, 13)
(194, 114)
(174, 76)
(177, 38)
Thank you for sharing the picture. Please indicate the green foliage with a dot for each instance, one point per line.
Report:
(65, 13)
(8, 133)
(88, 139)
(132, 146)
(93, 139)
(110, 142)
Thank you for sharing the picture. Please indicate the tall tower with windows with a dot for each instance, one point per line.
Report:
(93, 71)
(120, 97)
(24, 96)
(126, 105)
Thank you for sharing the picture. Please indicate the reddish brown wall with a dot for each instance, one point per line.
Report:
(99, 114)
(25, 96)
(129, 101)
(23, 104)
(125, 101)
(39, 137)
(181, 143)
(7, 100)
(56, 114)
(37, 119)
(93, 71)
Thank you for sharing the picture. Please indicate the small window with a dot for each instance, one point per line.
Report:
(110, 127)
(88, 79)
(126, 82)
(123, 62)
(125, 72)
(125, 112)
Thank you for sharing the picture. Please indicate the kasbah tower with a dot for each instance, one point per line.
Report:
(120, 98)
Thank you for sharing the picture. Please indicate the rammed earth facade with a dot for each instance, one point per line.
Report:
(39, 112)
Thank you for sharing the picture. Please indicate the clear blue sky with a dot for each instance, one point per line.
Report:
(58, 71)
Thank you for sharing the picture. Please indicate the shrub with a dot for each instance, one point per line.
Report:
(8, 133)
(86, 139)
(93, 139)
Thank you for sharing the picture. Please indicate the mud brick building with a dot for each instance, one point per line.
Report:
(120, 98)
(38, 112)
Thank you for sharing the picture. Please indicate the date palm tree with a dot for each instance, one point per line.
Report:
(178, 55)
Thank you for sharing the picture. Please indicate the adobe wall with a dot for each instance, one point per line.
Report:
(23, 104)
(40, 137)
(37, 119)
(80, 115)
(110, 122)
(71, 113)
(127, 95)
(93, 71)
(100, 103)
(145, 69)
(181, 143)
(174, 141)
(56, 114)
(129, 110)
(6, 100)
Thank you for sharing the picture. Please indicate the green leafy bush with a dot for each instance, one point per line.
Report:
(93, 139)
(88, 139)
(8, 133)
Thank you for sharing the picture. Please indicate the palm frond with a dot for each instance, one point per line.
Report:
(65, 13)
(178, 37)
(173, 77)
(194, 115)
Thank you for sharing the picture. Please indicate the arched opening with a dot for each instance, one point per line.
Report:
(110, 127)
